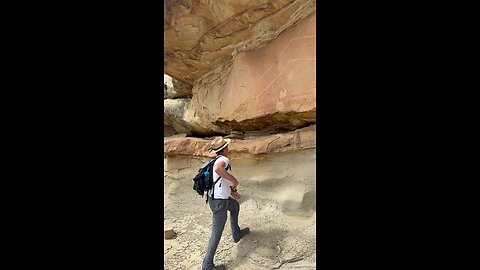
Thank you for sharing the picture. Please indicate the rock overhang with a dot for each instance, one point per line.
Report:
(202, 34)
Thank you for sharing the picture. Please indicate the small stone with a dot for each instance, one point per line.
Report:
(169, 232)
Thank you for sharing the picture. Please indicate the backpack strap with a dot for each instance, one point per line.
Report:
(213, 189)
(214, 183)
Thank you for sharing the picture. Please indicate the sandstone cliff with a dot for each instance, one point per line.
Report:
(244, 70)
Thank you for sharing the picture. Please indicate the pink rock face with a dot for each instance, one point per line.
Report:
(202, 34)
(277, 78)
(275, 83)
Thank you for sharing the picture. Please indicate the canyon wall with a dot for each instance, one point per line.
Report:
(244, 70)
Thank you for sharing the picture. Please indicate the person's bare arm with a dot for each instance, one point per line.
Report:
(221, 171)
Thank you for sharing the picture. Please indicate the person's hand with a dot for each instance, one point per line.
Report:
(235, 195)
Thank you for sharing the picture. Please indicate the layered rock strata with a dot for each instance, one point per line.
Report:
(264, 144)
(183, 155)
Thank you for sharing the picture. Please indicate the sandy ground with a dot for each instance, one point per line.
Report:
(276, 240)
(279, 238)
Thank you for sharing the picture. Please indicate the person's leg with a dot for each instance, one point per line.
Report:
(219, 210)
(234, 208)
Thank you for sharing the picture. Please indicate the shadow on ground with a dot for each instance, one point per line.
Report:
(260, 248)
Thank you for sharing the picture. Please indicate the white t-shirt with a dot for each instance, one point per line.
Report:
(222, 187)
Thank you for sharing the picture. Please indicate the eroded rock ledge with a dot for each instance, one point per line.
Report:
(299, 139)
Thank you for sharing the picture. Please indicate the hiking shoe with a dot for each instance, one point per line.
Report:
(243, 232)
(219, 267)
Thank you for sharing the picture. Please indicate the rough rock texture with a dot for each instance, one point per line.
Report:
(167, 13)
(202, 34)
(175, 89)
(173, 110)
(272, 88)
(168, 89)
(168, 131)
(175, 104)
(174, 116)
(296, 140)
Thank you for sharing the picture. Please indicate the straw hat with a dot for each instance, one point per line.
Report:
(219, 143)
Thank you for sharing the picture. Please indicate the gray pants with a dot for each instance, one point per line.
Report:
(219, 209)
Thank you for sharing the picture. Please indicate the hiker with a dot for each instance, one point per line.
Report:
(225, 198)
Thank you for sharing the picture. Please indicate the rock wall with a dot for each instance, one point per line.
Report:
(269, 89)
(254, 144)
(244, 70)
(272, 88)
(201, 34)
(286, 179)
